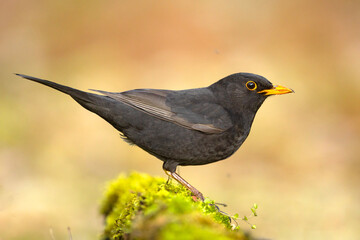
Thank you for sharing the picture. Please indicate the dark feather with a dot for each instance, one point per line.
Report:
(204, 116)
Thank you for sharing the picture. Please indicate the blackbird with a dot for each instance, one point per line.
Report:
(186, 127)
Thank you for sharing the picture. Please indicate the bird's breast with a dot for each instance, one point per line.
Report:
(215, 147)
(169, 141)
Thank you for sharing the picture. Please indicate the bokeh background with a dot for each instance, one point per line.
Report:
(300, 163)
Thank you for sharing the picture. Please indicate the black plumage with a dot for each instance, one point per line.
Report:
(187, 127)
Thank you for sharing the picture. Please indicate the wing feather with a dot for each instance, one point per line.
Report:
(184, 113)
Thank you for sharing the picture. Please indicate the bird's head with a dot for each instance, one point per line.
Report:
(246, 91)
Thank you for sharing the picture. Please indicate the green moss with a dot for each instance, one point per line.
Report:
(139, 206)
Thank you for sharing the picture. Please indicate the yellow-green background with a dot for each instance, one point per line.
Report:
(300, 163)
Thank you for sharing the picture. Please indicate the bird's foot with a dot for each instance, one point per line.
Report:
(197, 193)
(216, 205)
(235, 218)
(197, 196)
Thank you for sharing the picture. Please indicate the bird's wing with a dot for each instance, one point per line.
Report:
(193, 110)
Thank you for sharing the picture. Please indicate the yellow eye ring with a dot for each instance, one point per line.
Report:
(251, 85)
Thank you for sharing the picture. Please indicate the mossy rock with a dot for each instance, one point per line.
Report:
(140, 206)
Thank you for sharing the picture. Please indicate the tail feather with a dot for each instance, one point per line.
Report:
(74, 93)
(95, 103)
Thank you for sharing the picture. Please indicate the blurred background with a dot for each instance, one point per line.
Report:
(300, 163)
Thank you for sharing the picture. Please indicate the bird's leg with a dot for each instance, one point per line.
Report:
(196, 192)
(183, 182)
(168, 180)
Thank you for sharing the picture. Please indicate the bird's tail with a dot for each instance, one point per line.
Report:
(93, 102)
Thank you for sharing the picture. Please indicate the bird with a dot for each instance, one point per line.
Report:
(181, 127)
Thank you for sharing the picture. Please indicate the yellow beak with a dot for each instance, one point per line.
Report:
(277, 90)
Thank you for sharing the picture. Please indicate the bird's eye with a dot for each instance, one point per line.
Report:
(251, 85)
